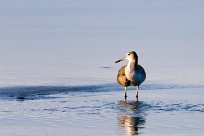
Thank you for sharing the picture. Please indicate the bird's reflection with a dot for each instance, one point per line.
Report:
(131, 117)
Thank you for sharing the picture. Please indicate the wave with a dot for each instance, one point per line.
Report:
(34, 92)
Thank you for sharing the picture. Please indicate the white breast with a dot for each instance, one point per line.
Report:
(129, 74)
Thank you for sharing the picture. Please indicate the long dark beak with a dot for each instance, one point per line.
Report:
(120, 60)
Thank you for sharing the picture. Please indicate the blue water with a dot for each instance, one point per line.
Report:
(40, 92)
(82, 110)
(58, 76)
(76, 42)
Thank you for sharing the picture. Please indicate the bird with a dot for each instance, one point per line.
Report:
(131, 74)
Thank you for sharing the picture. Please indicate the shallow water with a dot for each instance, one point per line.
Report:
(57, 70)
(101, 110)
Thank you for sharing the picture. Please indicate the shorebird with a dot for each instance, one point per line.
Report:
(131, 74)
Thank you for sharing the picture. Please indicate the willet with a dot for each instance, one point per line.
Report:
(131, 74)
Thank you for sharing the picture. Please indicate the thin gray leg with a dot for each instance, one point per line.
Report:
(137, 92)
(125, 92)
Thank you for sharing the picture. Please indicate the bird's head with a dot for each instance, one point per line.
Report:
(130, 56)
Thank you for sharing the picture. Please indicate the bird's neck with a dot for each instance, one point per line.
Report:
(130, 69)
(132, 64)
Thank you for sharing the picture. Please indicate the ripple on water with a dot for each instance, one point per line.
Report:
(44, 92)
(161, 106)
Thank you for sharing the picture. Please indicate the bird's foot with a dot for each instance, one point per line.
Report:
(137, 97)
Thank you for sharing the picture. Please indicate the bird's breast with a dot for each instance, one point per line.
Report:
(136, 75)
(129, 74)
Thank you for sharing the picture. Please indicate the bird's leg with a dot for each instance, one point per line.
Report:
(125, 93)
(137, 92)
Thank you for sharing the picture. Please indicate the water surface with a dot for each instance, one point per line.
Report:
(162, 110)
(58, 77)
(76, 42)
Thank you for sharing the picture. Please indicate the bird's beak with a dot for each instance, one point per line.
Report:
(120, 60)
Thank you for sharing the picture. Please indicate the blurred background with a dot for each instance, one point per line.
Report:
(76, 42)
